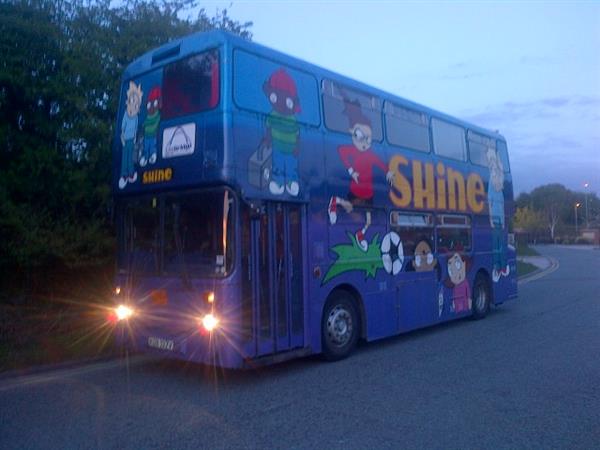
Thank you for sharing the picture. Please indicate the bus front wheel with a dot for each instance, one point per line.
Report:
(340, 326)
(481, 296)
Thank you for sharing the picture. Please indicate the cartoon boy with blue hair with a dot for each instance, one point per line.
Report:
(129, 126)
(496, 211)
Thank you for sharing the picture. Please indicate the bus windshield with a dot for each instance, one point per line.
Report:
(189, 234)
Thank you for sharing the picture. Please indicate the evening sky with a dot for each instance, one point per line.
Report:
(528, 69)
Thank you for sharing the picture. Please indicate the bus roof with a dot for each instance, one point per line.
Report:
(193, 43)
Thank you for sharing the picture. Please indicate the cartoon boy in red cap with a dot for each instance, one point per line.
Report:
(153, 105)
(282, 132)
(359, 160)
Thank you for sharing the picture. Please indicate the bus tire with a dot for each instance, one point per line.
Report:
(340, 326)
(481, 296)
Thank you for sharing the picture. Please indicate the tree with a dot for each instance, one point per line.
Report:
(59, 85)
(555, 203)
(529, 221)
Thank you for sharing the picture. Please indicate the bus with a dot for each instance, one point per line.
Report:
(268, 209)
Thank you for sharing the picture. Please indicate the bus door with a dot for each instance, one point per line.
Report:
(277, 239)
(417, 302)
(416, 284)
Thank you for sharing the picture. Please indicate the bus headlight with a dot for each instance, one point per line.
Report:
(210, 322)
(123, 312)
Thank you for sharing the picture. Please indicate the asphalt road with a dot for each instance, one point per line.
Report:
(528, 376)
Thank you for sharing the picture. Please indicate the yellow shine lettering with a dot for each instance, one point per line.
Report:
(475, 192)
(401, 185)
(157, 176)
(423, 192)
(441, 186)
(456, 190)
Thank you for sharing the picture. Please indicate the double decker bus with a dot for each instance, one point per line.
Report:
(268, 209)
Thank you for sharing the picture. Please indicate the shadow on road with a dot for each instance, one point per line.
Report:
(194, 373)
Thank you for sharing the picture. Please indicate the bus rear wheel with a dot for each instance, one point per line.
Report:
(340, 326)
(481, 297)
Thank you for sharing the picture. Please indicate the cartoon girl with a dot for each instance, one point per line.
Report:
(461, 291)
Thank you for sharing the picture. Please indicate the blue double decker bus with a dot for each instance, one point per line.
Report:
(269, 209)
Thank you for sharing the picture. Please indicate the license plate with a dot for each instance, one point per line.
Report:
(161, 344)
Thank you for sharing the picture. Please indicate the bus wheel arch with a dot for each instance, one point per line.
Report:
(342, 323)
(482, 294)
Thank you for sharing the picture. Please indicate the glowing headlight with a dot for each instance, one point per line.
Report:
(210, 322)
(123, 312)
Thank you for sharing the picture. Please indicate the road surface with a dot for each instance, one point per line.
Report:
(528, 376)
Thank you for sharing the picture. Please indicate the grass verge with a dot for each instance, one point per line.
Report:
(524, 268)
(526, 250)
(51, 338)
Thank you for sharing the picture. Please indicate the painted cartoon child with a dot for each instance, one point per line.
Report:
(496, 212)
(424, 260)
(129, 126)
(283, 132)
(461, 291)
(153, 106)
(359, 159)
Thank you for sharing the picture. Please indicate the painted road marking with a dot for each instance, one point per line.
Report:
(554, 265)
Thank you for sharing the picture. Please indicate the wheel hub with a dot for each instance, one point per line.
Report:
(339, 326)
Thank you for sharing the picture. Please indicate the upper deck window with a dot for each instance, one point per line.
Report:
(448, 140)
(478, 148)
(268, 87)
(345, 108)
(406, 128)
(191, 85)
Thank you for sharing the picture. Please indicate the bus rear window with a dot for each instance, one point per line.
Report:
(191, 85)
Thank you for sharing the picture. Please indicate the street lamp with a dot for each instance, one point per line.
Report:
(577, 205)
(586, 185)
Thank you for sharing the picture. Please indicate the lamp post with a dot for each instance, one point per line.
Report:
(577, 205)
(586, 185)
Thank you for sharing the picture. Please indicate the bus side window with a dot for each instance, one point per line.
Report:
(478, 147)
(344, 107)
(448, 140)
(453, 233)
(406, 128)
(416, 234)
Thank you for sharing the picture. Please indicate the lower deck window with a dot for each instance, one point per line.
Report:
(453, 233)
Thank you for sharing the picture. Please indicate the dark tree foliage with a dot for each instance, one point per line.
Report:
(555, 206)
(59, 82)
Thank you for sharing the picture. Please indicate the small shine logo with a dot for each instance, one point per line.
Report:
(157, 176)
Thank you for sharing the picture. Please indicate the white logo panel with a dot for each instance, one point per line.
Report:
(179, 140)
